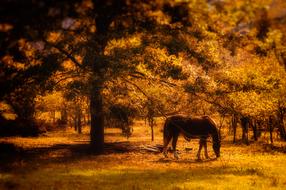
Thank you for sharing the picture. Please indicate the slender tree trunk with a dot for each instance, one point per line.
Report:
(151, 123)
(75, 122)
(79, 126)
(78, 119)
(234, 126)
(254, 127)
(271, 134)
(245, 125)
(97, 120)
(64, 116)
(152, 132)
(234, 133)
(70, 119)
(53, 113)
(271, 128)
(150, 117)
(88, 118)
(281, 126)
(84, 119)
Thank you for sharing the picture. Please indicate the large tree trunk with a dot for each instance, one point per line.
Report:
(97, 120)
(95, 56)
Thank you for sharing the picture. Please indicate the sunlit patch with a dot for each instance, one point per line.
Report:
(53, 36)
(84, 6)
(5, 27)
(7, 111)
(9, 116)
(9, 62)
(85, 172)
(68, 64)
(38, 45)
(4, 176)
(123, 43)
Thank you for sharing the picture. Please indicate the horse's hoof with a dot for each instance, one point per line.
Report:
(165, 155)
(199, 160)
(176, 156)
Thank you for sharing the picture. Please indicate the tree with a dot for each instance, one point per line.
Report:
(217, 51)
(110, 19)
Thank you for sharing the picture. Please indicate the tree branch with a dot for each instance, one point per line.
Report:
(66, 53)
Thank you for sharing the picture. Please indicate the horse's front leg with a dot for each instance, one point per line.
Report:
(174, 144)
(205, 147)
(165, 152)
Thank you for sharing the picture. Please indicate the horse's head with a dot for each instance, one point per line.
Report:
(216, 147)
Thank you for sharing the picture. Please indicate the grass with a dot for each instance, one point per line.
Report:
(59, 160)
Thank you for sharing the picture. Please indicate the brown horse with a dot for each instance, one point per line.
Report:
(199, 127)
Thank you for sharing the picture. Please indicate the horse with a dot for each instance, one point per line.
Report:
(191, 128)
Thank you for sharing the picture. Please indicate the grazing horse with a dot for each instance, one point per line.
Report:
(199, 127)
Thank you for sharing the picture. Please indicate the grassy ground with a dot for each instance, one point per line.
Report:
(59, 160)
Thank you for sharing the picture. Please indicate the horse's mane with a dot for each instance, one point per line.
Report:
(211, 120)
(215, 135)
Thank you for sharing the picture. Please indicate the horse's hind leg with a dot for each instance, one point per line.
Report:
(174, 144)
(167, 139)
(200, 149)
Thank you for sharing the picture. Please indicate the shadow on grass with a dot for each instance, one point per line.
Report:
(11, 155)
(273, 148)
(185, 161)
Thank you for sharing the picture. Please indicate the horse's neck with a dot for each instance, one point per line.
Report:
(215, 134)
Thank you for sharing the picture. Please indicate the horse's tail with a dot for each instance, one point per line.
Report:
(166, 131)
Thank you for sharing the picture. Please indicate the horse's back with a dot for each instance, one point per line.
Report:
(193, 126)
